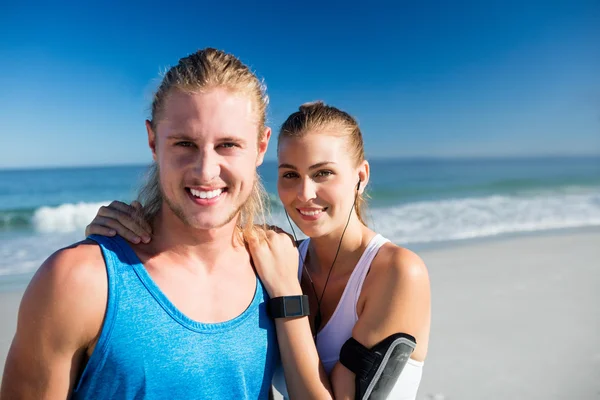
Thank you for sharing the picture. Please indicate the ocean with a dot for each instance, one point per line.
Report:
(412, 202)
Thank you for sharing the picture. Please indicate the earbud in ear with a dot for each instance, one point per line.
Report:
(358, 185)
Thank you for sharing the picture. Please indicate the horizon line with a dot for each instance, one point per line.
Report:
(383, 158)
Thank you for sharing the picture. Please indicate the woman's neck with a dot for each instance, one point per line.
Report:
(323, 249)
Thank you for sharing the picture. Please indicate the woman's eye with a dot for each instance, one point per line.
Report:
(289, 175)
(324, 173)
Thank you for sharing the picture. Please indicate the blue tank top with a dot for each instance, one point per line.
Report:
(148, 349)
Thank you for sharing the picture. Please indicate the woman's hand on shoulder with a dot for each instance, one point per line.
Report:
(275, 258)
(119, 218)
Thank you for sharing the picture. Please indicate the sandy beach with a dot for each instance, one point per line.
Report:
(513, 318)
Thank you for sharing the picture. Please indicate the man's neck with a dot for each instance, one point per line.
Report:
(208, 247)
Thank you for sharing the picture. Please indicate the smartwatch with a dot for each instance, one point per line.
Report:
(288, 307)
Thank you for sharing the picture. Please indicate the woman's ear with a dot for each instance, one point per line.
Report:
(363, 176)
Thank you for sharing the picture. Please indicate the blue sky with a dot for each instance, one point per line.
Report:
(433, 79)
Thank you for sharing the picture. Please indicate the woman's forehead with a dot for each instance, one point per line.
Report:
(311, 149)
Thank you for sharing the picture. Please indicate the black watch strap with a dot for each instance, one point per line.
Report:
(289, 306)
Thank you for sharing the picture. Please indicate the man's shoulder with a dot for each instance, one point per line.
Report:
(81, 263)
(65, 301)
(74, 276)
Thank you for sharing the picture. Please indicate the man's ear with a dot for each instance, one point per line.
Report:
(151, 139)
(263, 145)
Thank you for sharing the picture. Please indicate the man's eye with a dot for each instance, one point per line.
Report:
(228, 145)
(184, 144)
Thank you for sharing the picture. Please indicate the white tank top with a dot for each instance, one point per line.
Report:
(339, 327)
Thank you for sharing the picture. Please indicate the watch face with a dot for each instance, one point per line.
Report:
(293, 306)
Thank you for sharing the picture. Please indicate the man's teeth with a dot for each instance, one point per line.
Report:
(206, 195)
(311, 213)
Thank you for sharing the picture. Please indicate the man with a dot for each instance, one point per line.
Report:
(183, 316)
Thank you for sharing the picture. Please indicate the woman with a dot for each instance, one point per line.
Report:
(358, 284)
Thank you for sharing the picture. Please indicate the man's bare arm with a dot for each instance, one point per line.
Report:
(59, 319)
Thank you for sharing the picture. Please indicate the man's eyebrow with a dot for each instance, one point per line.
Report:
(315, 166)
(232, 139)
(185, 136)
(181, 136)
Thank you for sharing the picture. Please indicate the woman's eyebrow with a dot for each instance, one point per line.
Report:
(315, 166)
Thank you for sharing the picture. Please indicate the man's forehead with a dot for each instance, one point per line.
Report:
(209, 103)
(226, 113)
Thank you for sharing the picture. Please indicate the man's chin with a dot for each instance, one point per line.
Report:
(201, 222)
(207, 225)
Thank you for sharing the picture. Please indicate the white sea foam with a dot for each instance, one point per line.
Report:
(452, 219)
(487, 216)
(418, 222)
(24, 254)
(55, 227)
(66, 217)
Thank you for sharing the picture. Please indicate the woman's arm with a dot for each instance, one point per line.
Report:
(276, 261)
(304, 375)
(396, 300)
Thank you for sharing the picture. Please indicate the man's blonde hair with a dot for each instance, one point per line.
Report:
(199, 72)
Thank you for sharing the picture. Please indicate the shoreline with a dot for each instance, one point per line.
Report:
(19, 281)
